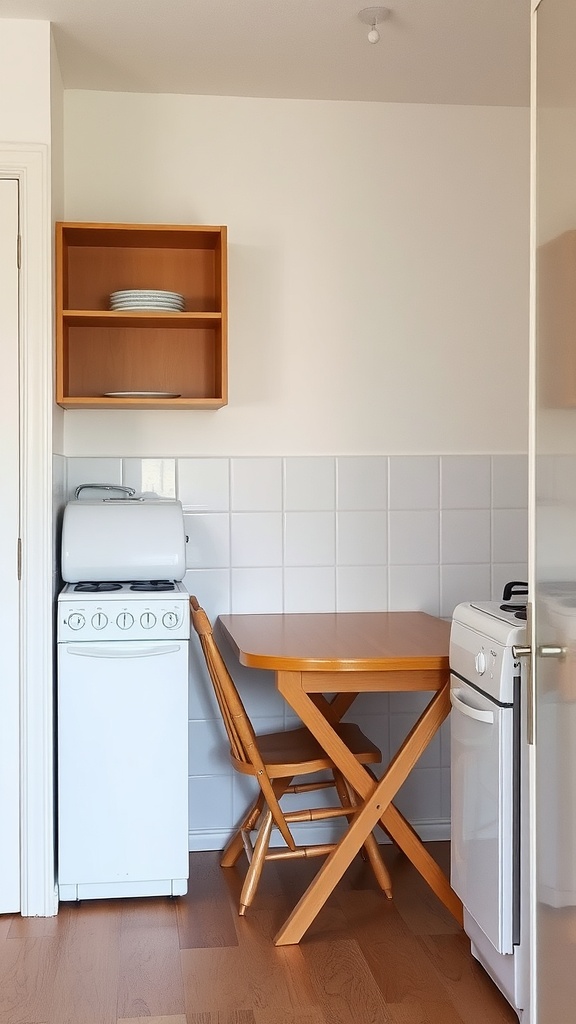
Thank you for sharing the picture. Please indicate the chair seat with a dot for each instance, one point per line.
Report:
(297, 752)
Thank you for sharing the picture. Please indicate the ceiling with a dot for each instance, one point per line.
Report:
(430, 51)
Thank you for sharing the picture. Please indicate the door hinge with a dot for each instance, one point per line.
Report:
(19, 251)
(19, 558)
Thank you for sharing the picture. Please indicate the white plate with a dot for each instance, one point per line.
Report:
(143, 293)
(117, 307)
(140, 394)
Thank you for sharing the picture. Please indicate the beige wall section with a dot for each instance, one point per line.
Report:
(24, 78)
(378, 267)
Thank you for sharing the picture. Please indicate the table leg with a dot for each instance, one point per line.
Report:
(377, 805)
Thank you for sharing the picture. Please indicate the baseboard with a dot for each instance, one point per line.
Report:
(434, 831)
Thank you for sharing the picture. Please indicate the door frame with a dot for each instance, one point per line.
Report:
(30, 165)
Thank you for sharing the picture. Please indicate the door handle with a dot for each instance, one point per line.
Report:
(544, 651)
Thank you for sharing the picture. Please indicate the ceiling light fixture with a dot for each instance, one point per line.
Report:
(373, 16)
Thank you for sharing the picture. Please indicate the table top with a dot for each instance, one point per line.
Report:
(340, 641)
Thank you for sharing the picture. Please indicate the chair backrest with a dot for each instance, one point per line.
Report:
(241, 736)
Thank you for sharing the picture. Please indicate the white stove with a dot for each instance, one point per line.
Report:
(122, 703)
(489, 773)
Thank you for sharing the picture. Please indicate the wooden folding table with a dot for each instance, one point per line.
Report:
(342, 654)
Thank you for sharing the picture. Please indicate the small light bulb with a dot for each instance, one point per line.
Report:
(373, 35)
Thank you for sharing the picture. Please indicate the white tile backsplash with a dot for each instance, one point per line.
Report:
(362, 538)
(466, 536)
(256, 484)
(204, 484)
(414, 482)
(208, 544)
(465, 481)
(353, 533)
(362, 482)
(309, 538)
(150, 477)
(256, 539)
(309, 484)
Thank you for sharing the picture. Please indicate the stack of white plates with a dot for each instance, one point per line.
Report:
(135, 298)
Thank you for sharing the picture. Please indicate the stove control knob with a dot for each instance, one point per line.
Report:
(99, 620)
(125, 620)
(76, 620)
(170, 620)
(147, 620)
(480, 662)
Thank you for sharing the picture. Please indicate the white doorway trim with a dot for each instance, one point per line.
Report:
(30, 165)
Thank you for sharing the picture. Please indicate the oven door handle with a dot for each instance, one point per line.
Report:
(465, 709)
(85, 651)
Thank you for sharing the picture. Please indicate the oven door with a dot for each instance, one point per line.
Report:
(484, 846)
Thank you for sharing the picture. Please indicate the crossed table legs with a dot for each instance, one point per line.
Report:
(319, 715)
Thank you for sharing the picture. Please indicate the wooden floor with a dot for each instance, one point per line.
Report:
(192, 960)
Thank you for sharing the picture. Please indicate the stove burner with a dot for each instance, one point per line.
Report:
(86, 587)
(152, 586)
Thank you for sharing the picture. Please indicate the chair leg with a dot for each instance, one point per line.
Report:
(343, 796)
(371, 847)
(235, 846)
(256, 864)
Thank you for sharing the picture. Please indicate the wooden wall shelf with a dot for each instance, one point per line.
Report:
(136, 355)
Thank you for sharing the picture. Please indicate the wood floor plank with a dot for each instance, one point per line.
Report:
(424, 1013)
(222, 1017)
(206, 913)
(6, 921)
(26, 973)
(35, 927)
(180, 1018)
(470, 990)
(85, 984)
(399, 965)
(414, 900)
(344, 986)
(150, 976)
(312, 1016)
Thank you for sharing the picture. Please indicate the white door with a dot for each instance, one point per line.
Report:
(9, 532)
(553, 561)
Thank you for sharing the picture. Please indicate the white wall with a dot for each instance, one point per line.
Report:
(378, 267)
(24, 81)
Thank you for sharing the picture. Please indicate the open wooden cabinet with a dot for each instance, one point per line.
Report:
(143, 359)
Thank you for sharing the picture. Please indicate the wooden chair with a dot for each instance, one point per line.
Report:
(274, 760)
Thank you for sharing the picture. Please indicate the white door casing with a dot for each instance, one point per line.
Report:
(9, 533)
(29, 166)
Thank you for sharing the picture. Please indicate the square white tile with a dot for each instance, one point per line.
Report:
(204, 484)
(509, 481)
(309, 538)
(256, 539)
(310, 589)
(463, 583)
(465, 481)
(362, 482)
(212, 588)
(309, 484)
(414, 588)
(92, 471)
(209, 802)
(256, 485)
(257, 590)
(150, 477)
(414, 482)
(361, 588)
(465, 536)
(208, 748)
(208, 545)
(509, 535)
(413, 537)
(362, 538)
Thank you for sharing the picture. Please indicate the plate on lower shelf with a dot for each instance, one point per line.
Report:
(140, 394)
